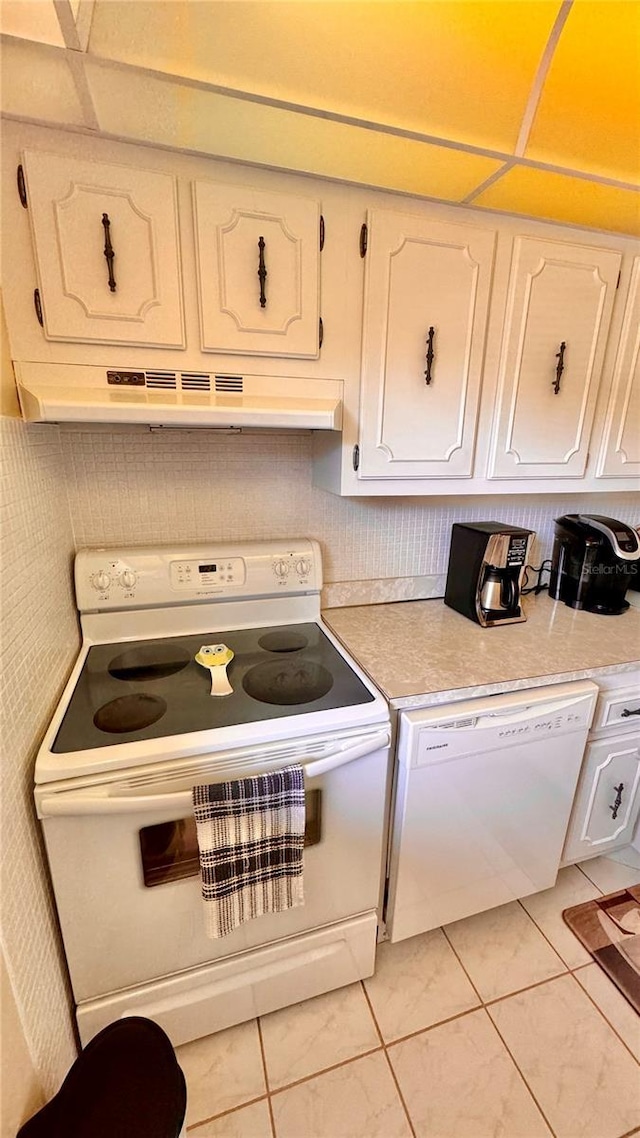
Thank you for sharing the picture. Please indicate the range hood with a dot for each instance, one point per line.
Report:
(73, 393)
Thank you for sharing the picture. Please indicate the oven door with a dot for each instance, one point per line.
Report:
(124, 861)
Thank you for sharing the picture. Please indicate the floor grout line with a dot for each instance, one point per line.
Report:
(460, 962)
(325, 1070)
(400, 1094)
(605, 1017)
(373, 1014)
(388, 1060)
(517, 1067)
(266, 1078)
(543, 933)
(223, 1113)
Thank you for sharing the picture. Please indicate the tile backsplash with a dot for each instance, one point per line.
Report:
(137, 488)
(39, 642)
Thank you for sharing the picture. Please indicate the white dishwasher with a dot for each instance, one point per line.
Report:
(482, 802)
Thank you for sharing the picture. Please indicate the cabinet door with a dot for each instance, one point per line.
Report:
(426, 299)
(70, 203)
(607, 800)
(557, 321)
(242, 232)
(620, 452)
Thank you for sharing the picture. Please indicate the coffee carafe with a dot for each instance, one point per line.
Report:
(486, 566)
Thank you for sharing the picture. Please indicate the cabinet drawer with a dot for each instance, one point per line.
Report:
(618, 709)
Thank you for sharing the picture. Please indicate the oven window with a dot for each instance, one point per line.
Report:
(169, 850)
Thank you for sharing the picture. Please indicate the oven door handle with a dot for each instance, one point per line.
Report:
(347, 754)
(102, 800)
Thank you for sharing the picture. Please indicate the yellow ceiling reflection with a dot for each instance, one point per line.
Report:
(204, 121)
(588, 117)
(455, 68)
(538, 98)
(562, 198)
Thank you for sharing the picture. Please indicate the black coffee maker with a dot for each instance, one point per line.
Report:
(486, 565)
(595, 559)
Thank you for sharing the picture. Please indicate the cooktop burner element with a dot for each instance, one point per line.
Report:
(284, 640)
(287, 682)
(150, 662)
(129, 713)
(155, 688)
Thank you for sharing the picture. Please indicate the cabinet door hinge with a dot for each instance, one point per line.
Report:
(321, 232)
(356, 457)
(22, 188)
(37, 304)
(320, 332)
(618, 280)
(364, 239)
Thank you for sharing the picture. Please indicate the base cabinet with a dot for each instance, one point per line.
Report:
(607, 800)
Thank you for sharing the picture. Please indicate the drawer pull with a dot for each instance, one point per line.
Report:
(618, 802)
(626, 713)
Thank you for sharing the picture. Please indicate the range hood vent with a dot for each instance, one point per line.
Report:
(74, 393)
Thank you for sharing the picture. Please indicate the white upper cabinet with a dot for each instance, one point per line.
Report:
(557, 320)
(258, 255)
(620, 452)
(79, 212)
(426, 298)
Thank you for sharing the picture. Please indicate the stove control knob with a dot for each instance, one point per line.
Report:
(101, 580)
(303, 566)
(281, 568)
(128, 578)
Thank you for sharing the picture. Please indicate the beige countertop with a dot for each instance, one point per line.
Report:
(422, 651)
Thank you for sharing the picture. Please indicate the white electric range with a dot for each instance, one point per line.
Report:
(138, 726)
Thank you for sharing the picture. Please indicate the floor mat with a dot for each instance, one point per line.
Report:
(609, 928)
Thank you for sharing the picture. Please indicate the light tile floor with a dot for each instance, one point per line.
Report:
(500, 1026)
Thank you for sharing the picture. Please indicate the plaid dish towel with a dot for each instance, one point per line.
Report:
(250, 836)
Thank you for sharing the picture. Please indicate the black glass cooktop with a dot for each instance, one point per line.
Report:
(149, 689)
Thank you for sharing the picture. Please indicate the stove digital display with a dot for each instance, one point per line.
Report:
(208, 568)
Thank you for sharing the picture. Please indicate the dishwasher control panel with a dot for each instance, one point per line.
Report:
(445, 733)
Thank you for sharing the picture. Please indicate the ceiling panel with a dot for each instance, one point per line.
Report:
(588, 117)
(32, 20)
(561, 198)
(460, 70)
(37, 83)
(147, 108)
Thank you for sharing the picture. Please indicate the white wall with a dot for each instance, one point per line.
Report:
(39, 641)
(20, 1088)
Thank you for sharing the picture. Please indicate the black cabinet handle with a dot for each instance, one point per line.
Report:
(108, 250)
(430, 355)
(626, 713)
(262, 272)
(37, 304)
(618, 802)
(559, 368)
